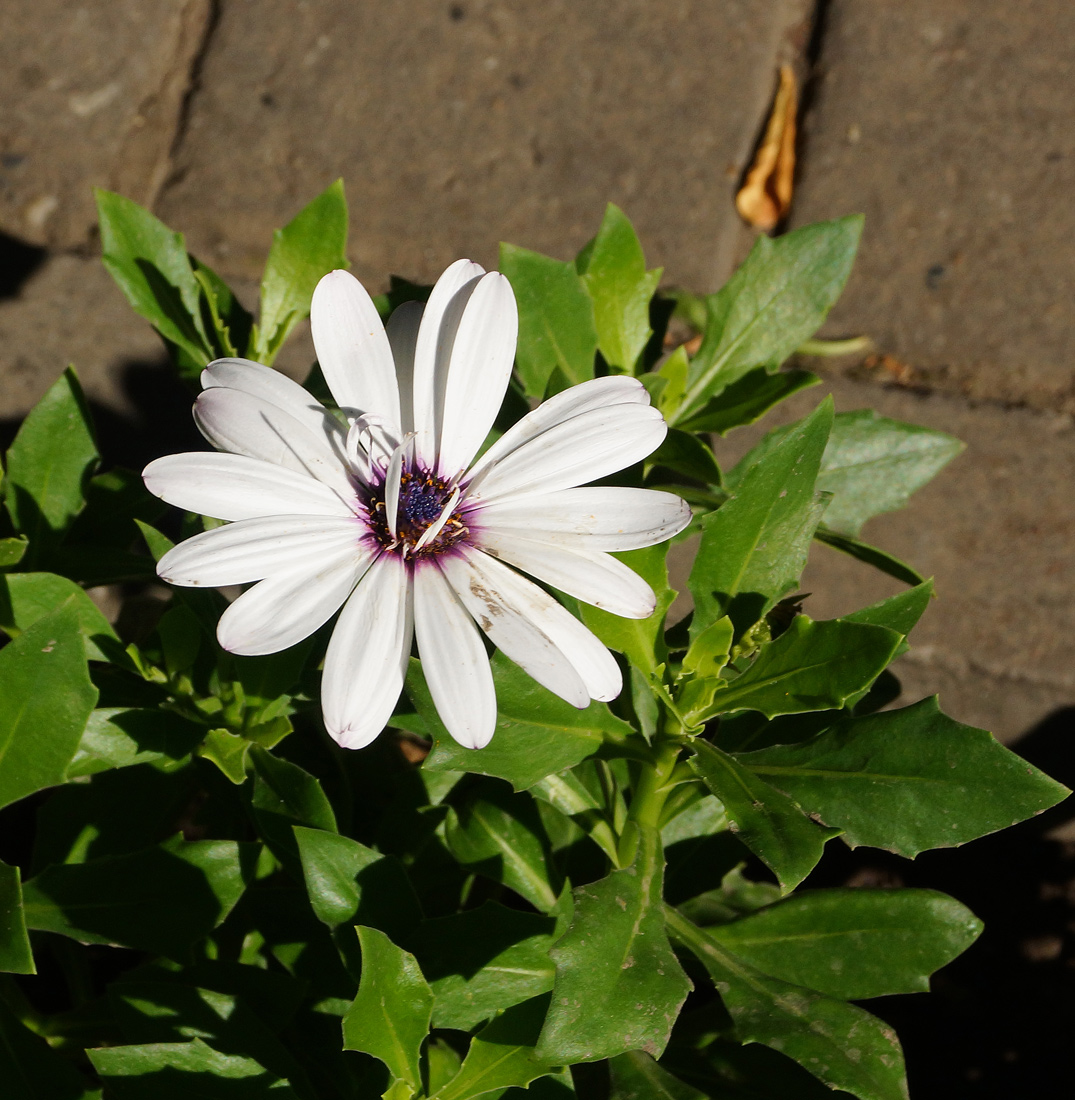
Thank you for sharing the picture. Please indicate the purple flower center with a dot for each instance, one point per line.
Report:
(422, 499)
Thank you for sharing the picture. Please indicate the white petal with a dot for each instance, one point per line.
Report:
(282, 610)
(598, 393)
(481, 359)
(588, 575)
(252, 549)
(276, 388)
(247, 425)
(609, 518)
(454, 661)
(228, 486)
(584, 448)
(403, 335)
(367, 657)
(431, 352)
(512, 611)
(352, 347)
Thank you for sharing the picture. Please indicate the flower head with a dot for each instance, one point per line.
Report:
(385, 514)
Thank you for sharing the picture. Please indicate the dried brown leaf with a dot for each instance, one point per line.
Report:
(765, 197)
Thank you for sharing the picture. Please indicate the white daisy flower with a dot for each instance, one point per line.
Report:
(387, 518)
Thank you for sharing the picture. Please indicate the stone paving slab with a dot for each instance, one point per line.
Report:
(466, 123)
(951, 124)
(996, 529)
(90, 95)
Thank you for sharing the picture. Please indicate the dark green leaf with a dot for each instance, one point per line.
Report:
(811, 666)
(311, 245)
(26, 597)
(287, 791)
(767, 822)
(613, 268)
(150, 264)
(183, 1071)
(159, 899)
(687, 454)
(390, 1015)
(500, 834)
(908, 780)
(556, 319)
(755, 545)
(777, 299)
(873, 465)
(120, 737)
(641, 641)
(842, 1045)
(854, 944)
(502, 1054)
(158, 1006)
(31, 1070)
(870, 555)
(484, 960)
(636, 1076)
(50, 462)
(349, 883)
(16, 957)
(618, 985)
(537, 733)
(45, 699)
(748, 399)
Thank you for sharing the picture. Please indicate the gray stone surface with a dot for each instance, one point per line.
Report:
(90, 95)
(951, 124)
(996, 529)
(465, 123)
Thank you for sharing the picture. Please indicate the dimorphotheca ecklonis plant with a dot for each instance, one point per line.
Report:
(577, 831)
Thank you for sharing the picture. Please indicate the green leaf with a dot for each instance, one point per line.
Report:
(120, 737)
(183, 1071)
(50, 462)
(45, 700)
(778, 298)
(556, 319)
(708, 652)
(636, 1076)
(150, 265)
(873, 465)
(32, 1070)
(26, 597)
(349, 883)
(870, 555)
(613, 268)
(484, 960)
(841, 1045)
(16, 957)
(12, 551)
(767, 822)
(500, 835)
(502, 1054)
(641, 641)
(229, 751)
(537, 733)
(232, 323)
(286, 795)
(900, 612)
(159, 899)
(390, 1015)
(311, 245)
(618, 984)
(852, 943)
(811, 666)
(748, 399)
(908, 780)
(755, 545)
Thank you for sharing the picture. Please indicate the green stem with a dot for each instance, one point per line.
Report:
(650, 794)
(826, 348)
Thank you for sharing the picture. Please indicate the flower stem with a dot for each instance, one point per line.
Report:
(650, 794)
